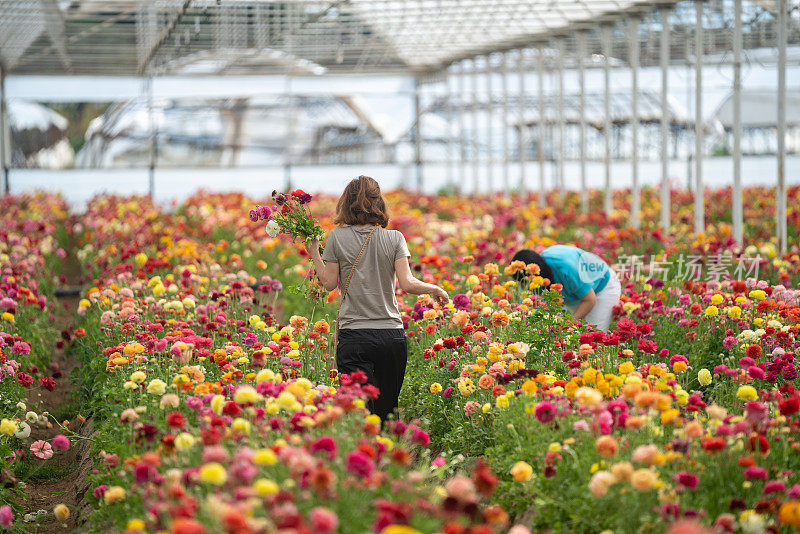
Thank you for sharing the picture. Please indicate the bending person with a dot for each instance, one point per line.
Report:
(371, 337)
(590, 287)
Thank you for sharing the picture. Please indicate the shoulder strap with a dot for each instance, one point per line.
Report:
(355, 263)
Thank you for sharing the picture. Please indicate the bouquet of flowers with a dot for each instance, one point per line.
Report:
(289, 215)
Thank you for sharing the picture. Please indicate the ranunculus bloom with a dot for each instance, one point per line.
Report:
(545, 412)
(42, 450)
(6, 516)
(323, 520)
(61, 443)
(687, 480)
(359, 463)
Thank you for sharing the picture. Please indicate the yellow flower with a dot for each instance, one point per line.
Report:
(213, 473)
(704, 377)
(716, 299)
(8, 427)
(114, 494)
(265, 457)
(135, 524)
(61, 511)
(712, 311)
(246, 395)
(734, 312)
(8, 317)
(373, 419)
(265, 487)
(140, 258)
(138, 377)
(502, 402)
(436, 387)
(679, 366)
(184, 441)
(626, 368)
(747, 393)
(241, 425)
(156, 387)
(486, 408)
(522, 471)
(758, 294)
(400, 529)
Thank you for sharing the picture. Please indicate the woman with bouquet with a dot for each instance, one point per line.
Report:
(362, 258)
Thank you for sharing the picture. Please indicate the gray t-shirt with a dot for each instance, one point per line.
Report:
(370, 300)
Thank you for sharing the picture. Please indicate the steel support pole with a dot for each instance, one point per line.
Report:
(540, 151)
(607, 198)
(462, 124)
(523, 128)
(560, 149)
(504, 122)
(449, 133)
(781, 222)
(151, 168)
(699, 127)
(4, 134)
(475, 152)
(665, 120)
(489, 125)
(634, 59)
(418, 131)
(738, 212)
(582, 120)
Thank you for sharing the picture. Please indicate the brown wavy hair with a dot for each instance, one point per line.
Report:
(362, 203)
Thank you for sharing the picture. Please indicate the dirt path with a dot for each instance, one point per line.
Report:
(63, 478)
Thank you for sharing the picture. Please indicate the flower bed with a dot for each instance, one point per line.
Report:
(204, 369)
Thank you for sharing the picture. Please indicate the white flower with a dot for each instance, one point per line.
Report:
(273, 228)
(23, 430)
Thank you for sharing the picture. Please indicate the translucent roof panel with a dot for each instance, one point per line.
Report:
(220, 37)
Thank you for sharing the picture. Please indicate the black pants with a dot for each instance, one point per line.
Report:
(382, 355)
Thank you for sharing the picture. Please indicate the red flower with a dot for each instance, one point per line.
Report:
(687, 480)
(713, 444)
(789, 406)
(753, 351)
(176, 420)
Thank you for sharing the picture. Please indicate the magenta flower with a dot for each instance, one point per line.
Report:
(754, 472)
(774, 486)
(253, 215)
(360, 464)
(461, 301)
(42, 450)
(61, 443)
(325, 444)
(545, 412)
(687, 480)
(6, 516)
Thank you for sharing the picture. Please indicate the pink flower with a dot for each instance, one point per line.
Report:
(6, 516)
(20, 347)
(61, 443)
(754, 472)
(42, 450)
(438, 462)
(545, 412)
(323, 520)
(359, 463)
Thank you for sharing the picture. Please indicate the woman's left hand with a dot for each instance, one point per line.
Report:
(312, 247)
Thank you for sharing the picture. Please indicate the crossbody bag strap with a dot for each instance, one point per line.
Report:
(332, 357)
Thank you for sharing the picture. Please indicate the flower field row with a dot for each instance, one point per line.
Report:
(204, 370)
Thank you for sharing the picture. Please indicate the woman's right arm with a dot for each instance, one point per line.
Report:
(410, 284)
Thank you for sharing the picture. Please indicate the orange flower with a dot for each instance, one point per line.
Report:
(499, 318)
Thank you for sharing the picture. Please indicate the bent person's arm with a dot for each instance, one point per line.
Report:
(409, 283)
(586, 304)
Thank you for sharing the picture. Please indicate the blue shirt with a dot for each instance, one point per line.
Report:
(576, 270)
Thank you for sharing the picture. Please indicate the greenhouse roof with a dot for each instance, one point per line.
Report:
(216, 37)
